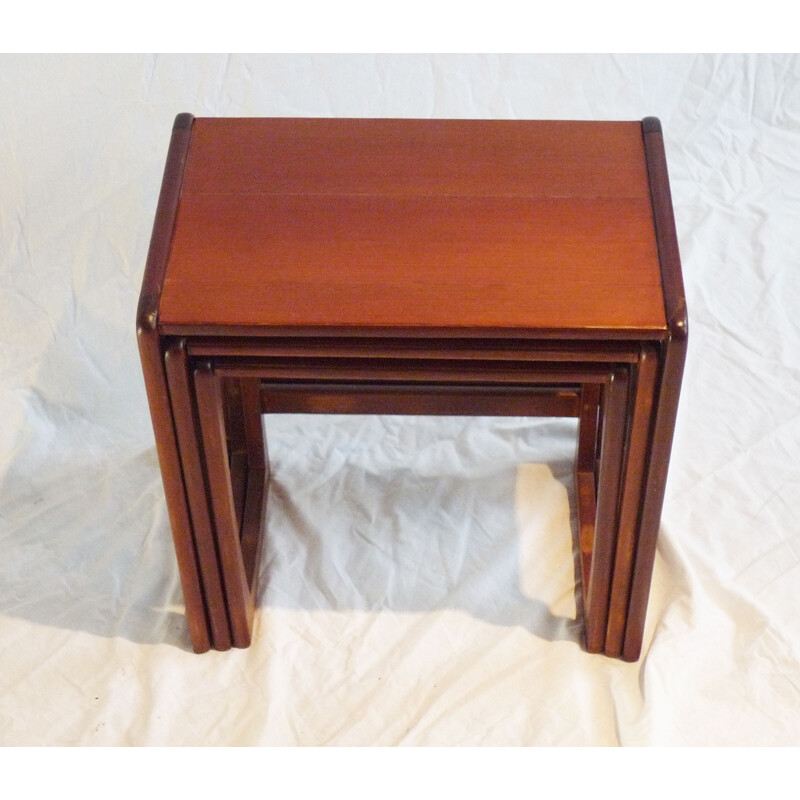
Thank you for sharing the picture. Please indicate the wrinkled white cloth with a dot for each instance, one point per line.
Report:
(417, 585)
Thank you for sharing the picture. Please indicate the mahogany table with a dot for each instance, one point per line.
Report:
(468, 267)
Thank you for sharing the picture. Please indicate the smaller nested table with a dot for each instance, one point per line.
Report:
(419, 267)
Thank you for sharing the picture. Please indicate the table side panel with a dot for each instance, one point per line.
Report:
(151, 353)
(665, 231)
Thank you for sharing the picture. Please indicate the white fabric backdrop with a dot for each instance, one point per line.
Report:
(417, 582)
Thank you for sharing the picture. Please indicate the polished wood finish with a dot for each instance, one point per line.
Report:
(355, 262)
(638, 439)
(417, 267)
(210, 408)
(428, 347)
(409, 398)
(585, 475)
(446, 372)
(152, 355)
(192, 458)
(614, 404)
(666, 234)
(258, 476)
(672, 359)
(365, 224)
(478, 158)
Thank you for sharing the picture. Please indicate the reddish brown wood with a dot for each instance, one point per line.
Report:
(234, 417)
(253, 430)
(586, 495)
(586, 478)
(672, 357)
(258, 474)
(151, 353)
(387, 261)
(541, 335)
(417, 156)
(295, 398)
(631, 498)
(615, 402)
(252, 536)
(416, 266)
(399, 371)
(155, 270)
(461, 226)
(586, 456)
(174, 489)
(237, 446)
(421, 348)
(674, 296)
(185, 416)
(208, 395)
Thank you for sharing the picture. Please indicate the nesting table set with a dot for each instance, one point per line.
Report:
(465, 267)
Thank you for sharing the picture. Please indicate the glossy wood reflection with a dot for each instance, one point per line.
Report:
(364, 224)
(475, 267)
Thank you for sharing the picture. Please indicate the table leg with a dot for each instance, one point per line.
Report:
(632, 497)
(186, 424)
(671, 365)
(151, 349)
(585, 474)
(249, 466)
(258, 476)
(161, 412)
(211, 412)
(614, 416)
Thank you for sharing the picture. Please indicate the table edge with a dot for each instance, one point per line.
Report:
(163, 228)
(412, 332)
(672, 287)
(166, 214)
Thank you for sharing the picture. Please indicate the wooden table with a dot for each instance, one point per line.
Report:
(420, 267)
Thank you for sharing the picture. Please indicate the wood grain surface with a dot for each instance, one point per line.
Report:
(413, 266)
(384, 224)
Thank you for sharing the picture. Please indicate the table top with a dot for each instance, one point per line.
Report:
(378, 225)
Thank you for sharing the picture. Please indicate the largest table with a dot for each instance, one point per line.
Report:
(478, 267)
